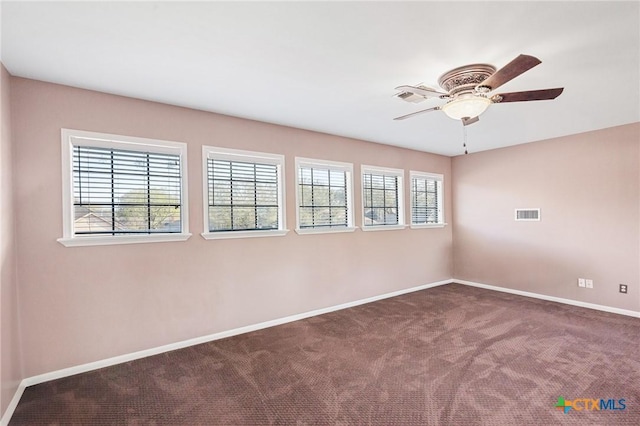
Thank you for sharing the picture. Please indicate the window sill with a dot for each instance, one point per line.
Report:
(243, 234)
(428, 225)
(121, 239)
(383, 227)
(306, 231)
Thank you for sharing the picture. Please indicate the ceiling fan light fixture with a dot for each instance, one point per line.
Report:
(466, 106)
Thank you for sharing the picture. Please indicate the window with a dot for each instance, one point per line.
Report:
(119, 189)
(324, 196)
(426, 200)
(382, 198)
(244, 193)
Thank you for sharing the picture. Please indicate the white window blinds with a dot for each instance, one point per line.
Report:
(322, 197)
(242, 196)
(426, 199)
(380, 199)
(125, 192)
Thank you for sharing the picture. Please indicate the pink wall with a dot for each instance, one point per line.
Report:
(10, 372)
(588, 187)
(85, 304)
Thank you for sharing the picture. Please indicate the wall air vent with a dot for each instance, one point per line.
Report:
(527, 214)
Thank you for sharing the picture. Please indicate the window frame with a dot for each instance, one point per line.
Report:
(385, 171)
(71, 138)
(440, 198)
(228, 154)
(347, 168)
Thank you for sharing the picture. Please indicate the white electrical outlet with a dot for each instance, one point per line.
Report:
(581, 282)
(589, 283)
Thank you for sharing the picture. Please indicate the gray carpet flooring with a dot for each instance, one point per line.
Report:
(450, 355)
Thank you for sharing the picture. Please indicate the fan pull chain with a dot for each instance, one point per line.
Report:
(464, 135)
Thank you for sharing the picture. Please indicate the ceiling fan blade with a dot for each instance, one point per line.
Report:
(510, 71)
(416, 113)
(530, 95)
(469, 120)
(427, 92)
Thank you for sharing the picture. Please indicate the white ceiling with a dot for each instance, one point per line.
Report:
(332, 66)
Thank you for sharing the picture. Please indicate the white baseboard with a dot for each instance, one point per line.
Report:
(551, 298)
(65, 372)
(4, 421)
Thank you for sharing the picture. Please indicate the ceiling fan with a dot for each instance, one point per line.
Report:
(467, 90)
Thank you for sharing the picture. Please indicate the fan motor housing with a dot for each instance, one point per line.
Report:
(465, 78)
